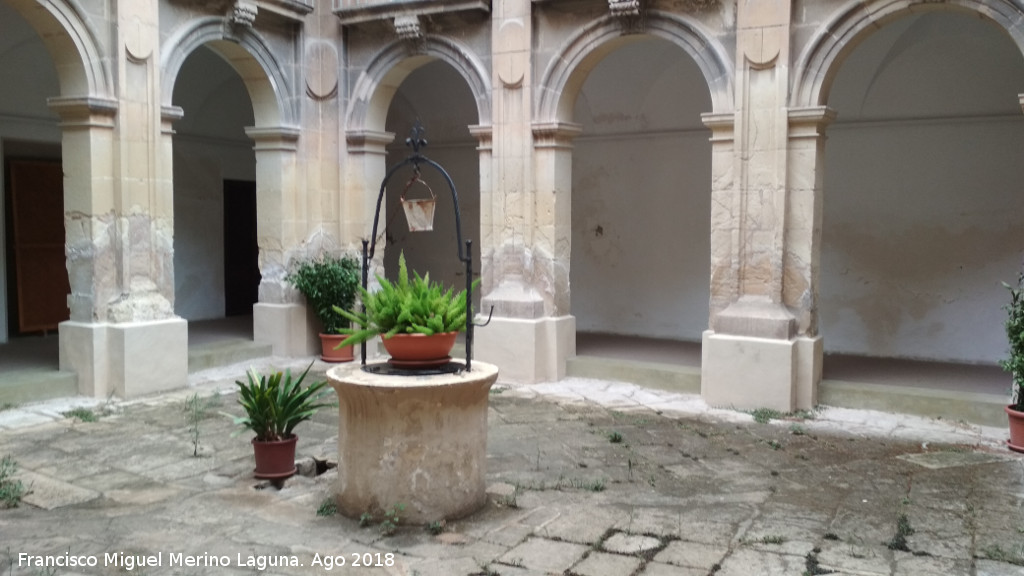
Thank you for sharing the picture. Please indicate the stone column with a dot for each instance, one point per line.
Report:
(90, 237)
(802, 258)
(279, 318)
(750, 355)
(123, 336)
(525, 249)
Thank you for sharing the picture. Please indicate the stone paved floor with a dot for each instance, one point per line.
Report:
(587, 478)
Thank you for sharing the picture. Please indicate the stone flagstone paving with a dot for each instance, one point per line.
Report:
(659, 485)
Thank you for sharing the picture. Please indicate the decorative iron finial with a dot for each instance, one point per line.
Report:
(416, 139)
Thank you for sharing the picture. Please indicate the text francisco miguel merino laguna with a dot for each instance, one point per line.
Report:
(257, 561)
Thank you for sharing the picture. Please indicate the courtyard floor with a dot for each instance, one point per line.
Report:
(585, 478)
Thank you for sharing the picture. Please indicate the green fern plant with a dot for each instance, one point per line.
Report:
(407, 306)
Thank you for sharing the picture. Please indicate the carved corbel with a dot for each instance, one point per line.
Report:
(243, 14)
(408, 27)
(629, 12)
(624, 8)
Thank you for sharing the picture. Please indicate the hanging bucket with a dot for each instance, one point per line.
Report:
(419, 213)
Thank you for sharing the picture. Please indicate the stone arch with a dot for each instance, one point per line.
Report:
(568, 70)
(372, 92)
(248, 54)
(81, 66)
(837, 37)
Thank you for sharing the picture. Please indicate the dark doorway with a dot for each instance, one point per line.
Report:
(241, 250)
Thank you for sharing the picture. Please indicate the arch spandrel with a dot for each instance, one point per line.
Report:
(261, 72)
(82, 69)
(561, 81)
(821, 58)
(371, 95)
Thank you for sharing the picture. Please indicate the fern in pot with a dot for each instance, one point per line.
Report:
(1014, 364)
(416, 318)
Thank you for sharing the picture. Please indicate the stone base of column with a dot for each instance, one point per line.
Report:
(148, 357)
(527, 350)
(83, 350)
(746, 373)
(129, 360)
(289, 328)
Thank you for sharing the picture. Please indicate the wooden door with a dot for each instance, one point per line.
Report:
(40, 269)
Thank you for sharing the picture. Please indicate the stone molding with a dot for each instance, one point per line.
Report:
(84, 111)
(813, 68)
(368, 141)
(283, 138)
(555, 134)
(484, 135)
(809, 122)
(358, 11)
(553, 100)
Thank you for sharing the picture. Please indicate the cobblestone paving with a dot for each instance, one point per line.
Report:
(587, 478)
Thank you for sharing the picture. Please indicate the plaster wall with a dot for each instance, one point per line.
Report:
(210, 146)
(922, 198)
(641, 199)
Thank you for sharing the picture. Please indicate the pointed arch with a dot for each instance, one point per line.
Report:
(820, 60)
(372, 92)
(569, 67)
(264, 76)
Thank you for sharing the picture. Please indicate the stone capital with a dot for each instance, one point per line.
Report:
(283, 138)
(810, 122)
(84, 111)
(555, 134)
(484, 135)
(368, 141)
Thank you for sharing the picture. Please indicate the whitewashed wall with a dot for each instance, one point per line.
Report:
(923, 197)
(641, 197)
(210, 146)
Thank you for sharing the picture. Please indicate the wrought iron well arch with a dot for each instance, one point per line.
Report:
(417, 142)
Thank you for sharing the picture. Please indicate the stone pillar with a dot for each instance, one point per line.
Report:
(90, 237)
(802, 258)
(751, 354)
(123, 337)
(280, 317)
(525, 250)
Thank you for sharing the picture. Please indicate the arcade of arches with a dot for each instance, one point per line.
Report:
(771, 181)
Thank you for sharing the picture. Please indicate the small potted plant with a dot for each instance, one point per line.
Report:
(1014, 364)
(416, 319)
(326, 282)
(274, 405)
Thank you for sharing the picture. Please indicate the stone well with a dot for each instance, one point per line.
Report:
(418, 440)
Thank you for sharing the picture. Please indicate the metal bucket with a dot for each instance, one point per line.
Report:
(419, 213)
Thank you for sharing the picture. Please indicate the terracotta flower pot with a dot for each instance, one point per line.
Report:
(329, 354)
(275, 460)
(420, 350)
(1016, 441)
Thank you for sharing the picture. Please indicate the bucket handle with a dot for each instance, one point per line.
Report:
(416, 178)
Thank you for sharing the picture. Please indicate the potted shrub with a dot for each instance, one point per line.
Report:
(326, 282)
(273, 406)
(416, 319)
(1014, 364)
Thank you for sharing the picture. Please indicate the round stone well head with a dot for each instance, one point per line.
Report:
(418, 441)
